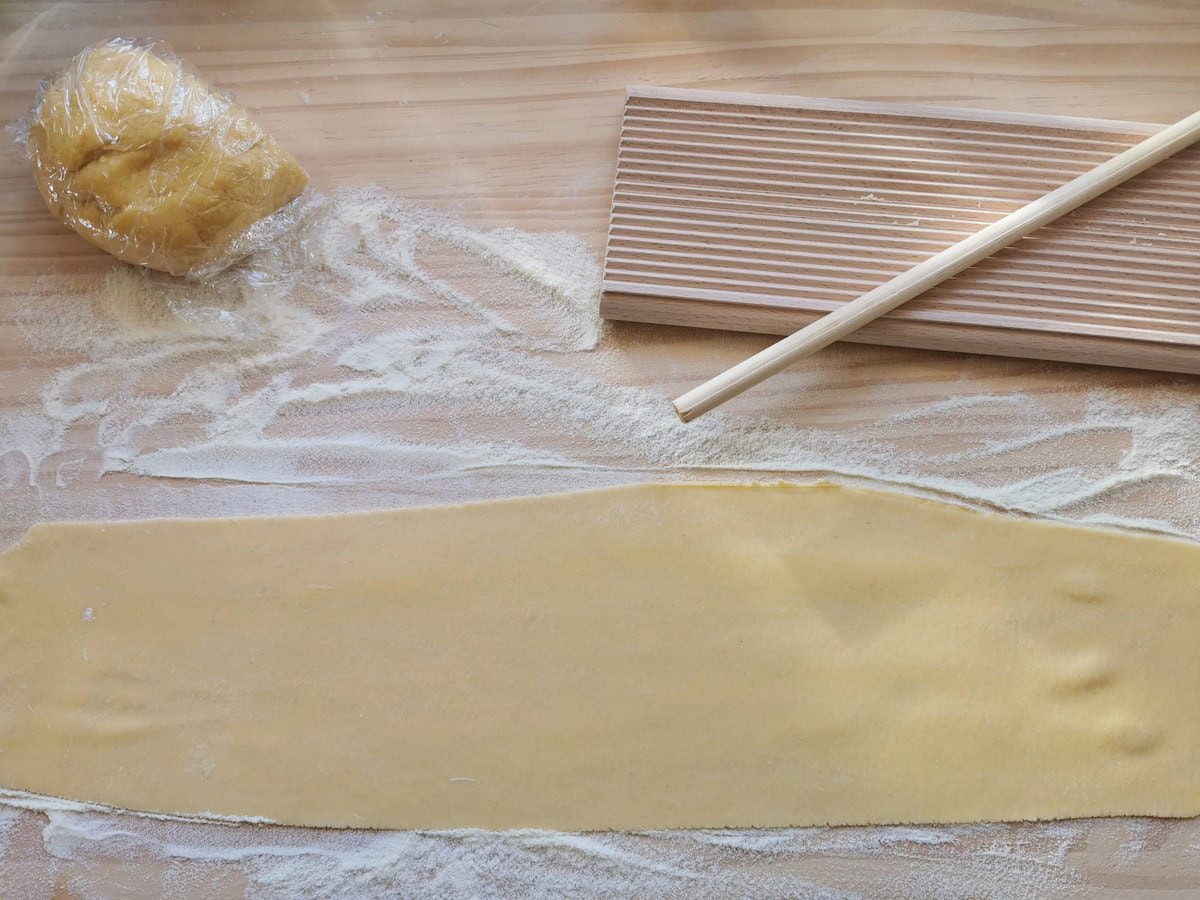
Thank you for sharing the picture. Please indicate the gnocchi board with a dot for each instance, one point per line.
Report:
(761, 213)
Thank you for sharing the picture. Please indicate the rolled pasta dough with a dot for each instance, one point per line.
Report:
(642, 657)
(148, 162)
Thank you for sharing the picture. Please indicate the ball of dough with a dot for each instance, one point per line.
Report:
(145, 160)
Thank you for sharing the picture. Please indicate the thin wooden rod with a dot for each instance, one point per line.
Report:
(873, 304)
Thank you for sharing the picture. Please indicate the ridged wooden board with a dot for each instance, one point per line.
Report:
(760, 213)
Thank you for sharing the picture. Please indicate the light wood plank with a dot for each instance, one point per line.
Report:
(759, 213)
(507, 113)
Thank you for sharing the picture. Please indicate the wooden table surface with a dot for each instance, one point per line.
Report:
(506, 114)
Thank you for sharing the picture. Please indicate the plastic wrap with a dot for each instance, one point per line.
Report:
(144, 159)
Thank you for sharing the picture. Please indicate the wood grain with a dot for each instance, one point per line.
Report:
(764, 214)
(507, 113)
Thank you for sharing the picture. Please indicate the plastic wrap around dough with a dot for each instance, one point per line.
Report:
(146, 160)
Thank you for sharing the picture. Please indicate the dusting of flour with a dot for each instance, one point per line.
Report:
(391, 355)
(397, 348)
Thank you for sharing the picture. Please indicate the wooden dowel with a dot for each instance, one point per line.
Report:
(938, 268)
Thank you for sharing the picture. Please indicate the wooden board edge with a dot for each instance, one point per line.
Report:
(875, 107)
(703, 300)
(1059, 347)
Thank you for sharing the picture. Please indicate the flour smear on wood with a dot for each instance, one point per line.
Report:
(398, 348)
(392, 355)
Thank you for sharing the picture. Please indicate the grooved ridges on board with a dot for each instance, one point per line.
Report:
(760, 214)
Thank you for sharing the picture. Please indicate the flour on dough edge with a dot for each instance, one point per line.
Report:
(831, 481)
(45, 803)
(48, 805)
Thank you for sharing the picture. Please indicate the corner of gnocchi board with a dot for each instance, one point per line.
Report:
(749, 212)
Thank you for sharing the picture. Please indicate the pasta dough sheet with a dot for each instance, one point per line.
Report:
(644, 657)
